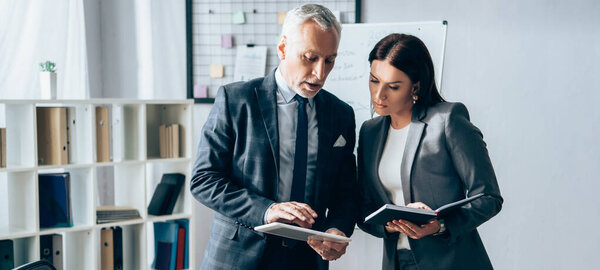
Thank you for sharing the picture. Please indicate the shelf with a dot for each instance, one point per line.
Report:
(128, 179)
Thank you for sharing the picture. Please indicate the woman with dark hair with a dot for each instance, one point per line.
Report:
(422, 152)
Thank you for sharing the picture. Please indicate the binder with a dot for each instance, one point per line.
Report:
(165, 232)
(57, 251)
(107, 261)
(52, 135)
(51, 250)
(118, 248)
(102, 134)
(46, 252)
(2, 147)
(54, 200)
(7, 256)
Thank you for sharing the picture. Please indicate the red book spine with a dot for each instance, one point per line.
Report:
(180, 248)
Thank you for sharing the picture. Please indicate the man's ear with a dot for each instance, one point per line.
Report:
(281, 47)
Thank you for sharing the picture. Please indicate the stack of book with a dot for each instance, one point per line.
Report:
(168, 137)
(166, 194)
(2, 147)
(53, 148)
(111, 248)
(171, 245)
(107, 214)
(54, 200)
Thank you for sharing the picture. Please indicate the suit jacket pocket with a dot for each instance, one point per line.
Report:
(224, 228)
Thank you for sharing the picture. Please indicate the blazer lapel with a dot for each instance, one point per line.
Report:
(267, 101)
(413, 141)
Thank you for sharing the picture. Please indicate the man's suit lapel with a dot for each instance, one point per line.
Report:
(325, 134)
(267, 101)
(413, 142)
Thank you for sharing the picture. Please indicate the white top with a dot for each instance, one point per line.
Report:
(389, 170)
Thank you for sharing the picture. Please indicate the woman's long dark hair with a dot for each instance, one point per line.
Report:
(409, 54)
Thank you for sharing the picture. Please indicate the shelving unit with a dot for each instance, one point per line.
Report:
(129, 178)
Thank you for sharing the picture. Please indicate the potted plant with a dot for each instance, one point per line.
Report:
(48, 80)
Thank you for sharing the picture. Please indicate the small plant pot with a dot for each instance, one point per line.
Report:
(48, 85)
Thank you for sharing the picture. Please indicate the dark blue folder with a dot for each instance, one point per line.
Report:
(54, 202)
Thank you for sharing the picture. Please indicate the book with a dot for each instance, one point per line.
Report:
(166, 193)
(180, 248)
(7, 257)
(54, 200)
(299, 233)
(107, 214)
(162, 140)
(417, 216)
(107, 260)
(102, 134)
(2, 147)
(175, 140)
(52, 135)
(185, 224)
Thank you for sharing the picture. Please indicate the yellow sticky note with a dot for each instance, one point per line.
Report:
(217, 71)
(238, 17)
(281, 17)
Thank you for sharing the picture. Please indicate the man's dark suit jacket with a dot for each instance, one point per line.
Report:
(236, 170)
(445, 159)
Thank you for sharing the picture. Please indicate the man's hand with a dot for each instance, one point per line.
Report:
(292, 212)
(412, 230)
(329, 250)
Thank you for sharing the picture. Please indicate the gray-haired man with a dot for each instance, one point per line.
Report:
(280, 149)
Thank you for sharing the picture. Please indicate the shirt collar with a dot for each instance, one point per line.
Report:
(285, 91)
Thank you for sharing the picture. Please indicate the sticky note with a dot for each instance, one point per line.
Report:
(200, 91)
(217, 71)
(281, 17)
(238, 17)
(226, 41)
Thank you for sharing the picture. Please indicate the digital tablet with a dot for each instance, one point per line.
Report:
(299, 233)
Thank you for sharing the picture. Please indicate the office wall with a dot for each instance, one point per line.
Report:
(528, 73)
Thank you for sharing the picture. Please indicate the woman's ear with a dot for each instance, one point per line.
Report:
(416, 87)
(281, 47)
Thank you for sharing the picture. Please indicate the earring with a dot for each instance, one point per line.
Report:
(415, 98)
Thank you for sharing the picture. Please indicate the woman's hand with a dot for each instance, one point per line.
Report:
(412, 230)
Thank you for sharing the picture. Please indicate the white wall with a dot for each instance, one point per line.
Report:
(527, 71)
(136, 48)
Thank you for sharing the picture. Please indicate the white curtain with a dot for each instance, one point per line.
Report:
(33, 31)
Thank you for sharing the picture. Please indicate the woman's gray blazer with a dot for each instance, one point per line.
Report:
(445, 160)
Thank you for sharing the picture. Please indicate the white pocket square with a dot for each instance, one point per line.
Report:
(340, 142)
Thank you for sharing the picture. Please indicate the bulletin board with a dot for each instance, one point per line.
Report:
(208, 21)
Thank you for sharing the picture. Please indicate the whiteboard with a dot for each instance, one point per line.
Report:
(349, 79)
